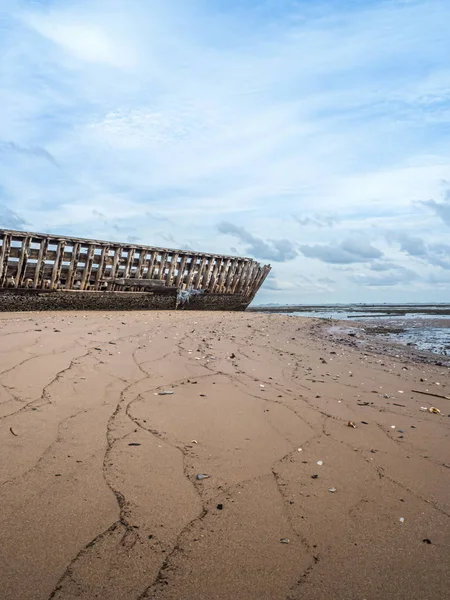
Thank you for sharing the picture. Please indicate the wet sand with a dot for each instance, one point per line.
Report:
(99, 493)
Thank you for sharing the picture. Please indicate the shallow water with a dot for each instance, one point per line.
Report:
(424, 326)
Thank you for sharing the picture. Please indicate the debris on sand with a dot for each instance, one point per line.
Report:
(351, 424)
(164, 393)
(431, 394)
(201, 476)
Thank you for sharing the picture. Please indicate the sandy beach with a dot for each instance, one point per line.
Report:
(99, 490)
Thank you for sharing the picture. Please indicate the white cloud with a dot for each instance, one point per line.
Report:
(88, 36)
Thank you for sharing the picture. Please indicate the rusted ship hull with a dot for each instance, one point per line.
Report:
(47, 272)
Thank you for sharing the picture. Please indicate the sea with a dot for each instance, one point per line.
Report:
(425, 326)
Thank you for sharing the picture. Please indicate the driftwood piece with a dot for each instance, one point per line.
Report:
(101, 267)
(56, 271)
(5, 251)
(237, 276)
(171, 271)
(263, 272)
(162, 266)
(131, 281)
(140, 267)
(129, 264)
(208, 271)
(200, 272)
(248, 283)
(151, 265)
(159, 288)
(87, 268)
(259, 281)
(73, 266)
(246, 271)
(181, 272)
(21, 268)
(116, 263)
(431, 394)
(40, 267)
(252, 280)
(231, 270)
(223, 275)
(192, 269)
(215, 275)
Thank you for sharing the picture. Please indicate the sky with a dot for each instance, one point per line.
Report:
(313, 136)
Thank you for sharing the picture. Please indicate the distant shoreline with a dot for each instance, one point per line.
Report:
(364, 309)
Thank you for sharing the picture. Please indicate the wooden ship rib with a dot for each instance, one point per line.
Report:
(49, 272)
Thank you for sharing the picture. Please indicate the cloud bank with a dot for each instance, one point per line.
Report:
(346, 252)
(276, 250)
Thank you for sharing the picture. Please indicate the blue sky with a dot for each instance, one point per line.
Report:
(314, 136)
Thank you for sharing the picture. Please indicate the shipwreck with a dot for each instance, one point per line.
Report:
(50, 272)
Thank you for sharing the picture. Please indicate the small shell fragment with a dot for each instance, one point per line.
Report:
(320, 463)
(402, 519)
(164, 393)
(434, 410)
(285, 541)
(351, 424)
(201, 476)
(332, 490)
